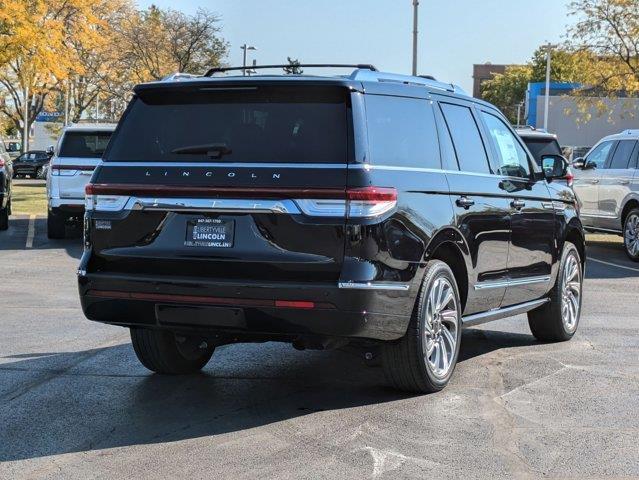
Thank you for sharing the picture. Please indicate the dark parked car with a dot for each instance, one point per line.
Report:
(541, 143)
(375, 208)
(6, 173)
(32, 163)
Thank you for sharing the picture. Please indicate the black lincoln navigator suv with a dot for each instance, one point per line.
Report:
(372, 208)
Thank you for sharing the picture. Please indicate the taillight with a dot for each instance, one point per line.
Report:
(103, 203)
(569, 178)
(370, 201)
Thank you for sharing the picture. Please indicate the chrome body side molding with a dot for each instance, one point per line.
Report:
(404, 287)
(512, 283)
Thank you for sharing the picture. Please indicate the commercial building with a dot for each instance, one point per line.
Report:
(482, 73)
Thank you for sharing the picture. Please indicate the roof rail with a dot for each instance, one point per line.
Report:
(362, 66)
(363, 75)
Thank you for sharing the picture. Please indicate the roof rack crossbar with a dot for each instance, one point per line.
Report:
(363, 66)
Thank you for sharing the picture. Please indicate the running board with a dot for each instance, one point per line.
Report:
(499, 313)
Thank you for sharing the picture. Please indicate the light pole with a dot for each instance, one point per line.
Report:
(547, 96)
(245, 47)
(415, 12)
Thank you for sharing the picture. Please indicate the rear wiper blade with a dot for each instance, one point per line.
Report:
(213, 150)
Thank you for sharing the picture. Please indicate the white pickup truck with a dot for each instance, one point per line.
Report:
(78, 152)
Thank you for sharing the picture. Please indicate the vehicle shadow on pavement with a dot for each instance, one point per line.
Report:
(16, 237)
(56, 403)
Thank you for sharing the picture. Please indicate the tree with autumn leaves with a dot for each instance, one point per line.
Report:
(94, 50)
(601, 52)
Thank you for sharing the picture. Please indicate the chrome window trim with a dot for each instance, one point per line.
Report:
(374, 286)
(512, 283)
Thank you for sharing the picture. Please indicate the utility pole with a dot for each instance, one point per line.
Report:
(547, 96)
(66, 103)
(519, 105)
(25, 119)
(245, 47)
(415, 15)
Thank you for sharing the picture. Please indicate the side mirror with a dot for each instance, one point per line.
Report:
(50, 150)
(579, 163)
(554, 166)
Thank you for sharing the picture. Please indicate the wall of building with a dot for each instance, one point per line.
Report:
(569, 124)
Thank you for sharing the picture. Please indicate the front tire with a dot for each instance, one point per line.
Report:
(424, 359)
(163, 352)
(631, 234)
(557, 321)
(56, 226)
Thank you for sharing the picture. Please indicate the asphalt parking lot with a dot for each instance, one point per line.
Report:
(75, 403)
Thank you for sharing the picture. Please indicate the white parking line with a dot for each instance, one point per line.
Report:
(31, 231)
(614, 264)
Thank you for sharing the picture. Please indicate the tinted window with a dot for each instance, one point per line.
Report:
(449, 160)
(469, 146)
(512, 160)
(265, 124)
(84, 144)
(33, 156)
(599, 154)
(621, 157)
(634, 161)
(402, 132)
(540, 147)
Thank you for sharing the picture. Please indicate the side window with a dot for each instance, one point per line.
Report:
(512, 160)
(599, 155)
(402, 132)
(469, 146)
(634, 159)
(449, 160)
(621, 157)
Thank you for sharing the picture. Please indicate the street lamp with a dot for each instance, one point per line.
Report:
(415, 11)
(245, 47)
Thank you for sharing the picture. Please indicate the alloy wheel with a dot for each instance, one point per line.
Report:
(631, 235)
(441, 326)
(571, 293)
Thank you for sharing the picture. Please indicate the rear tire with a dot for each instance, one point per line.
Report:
(425, 358)
(557, 321)
(38, 173)
(161, 352)
(4, 217)
(631, 234)
(56, 225)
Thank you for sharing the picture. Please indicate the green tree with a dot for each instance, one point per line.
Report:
(507, 90)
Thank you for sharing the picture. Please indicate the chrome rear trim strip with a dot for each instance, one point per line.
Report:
(213, 205)
(512, 283)
(374, 286)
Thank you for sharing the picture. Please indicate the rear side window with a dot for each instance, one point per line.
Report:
(469, 146)
(242, 125)
(540, 147)
(84, 144)
(621, 157)
(402, 132)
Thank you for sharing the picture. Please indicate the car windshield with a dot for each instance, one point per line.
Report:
(280, 125)
(30, 156)
(542, 146)
(84, 144)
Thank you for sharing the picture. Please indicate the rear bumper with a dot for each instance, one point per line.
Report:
(253, 309)
(67, 206)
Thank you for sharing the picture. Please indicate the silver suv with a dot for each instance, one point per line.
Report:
(607, 185)
(78, 152)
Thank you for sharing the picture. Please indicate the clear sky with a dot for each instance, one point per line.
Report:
(454, 34)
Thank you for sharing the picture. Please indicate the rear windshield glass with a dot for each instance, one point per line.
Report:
(84, 144)
(288, 125)
(540, 147)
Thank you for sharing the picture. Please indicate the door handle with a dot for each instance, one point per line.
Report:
(595, 181)
(625, 182)
(465, 202)
(518, 204)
